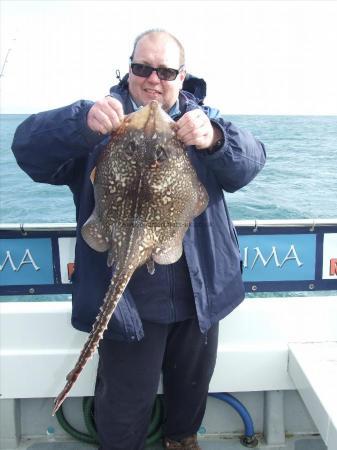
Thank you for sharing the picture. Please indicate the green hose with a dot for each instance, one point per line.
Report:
(155, 432)
(156, 416)
(89, 420)
(78, 435)
(153, 435)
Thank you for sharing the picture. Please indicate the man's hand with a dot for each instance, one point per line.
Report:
(105, 116)
(195, 128)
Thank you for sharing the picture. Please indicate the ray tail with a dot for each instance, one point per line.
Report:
(117, 286)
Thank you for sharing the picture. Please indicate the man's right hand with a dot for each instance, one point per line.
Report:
(105, 116)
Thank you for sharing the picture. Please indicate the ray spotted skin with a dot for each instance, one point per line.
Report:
(146, 195)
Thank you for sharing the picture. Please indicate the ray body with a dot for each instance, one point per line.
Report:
(146, 195)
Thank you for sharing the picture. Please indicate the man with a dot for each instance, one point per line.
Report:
(167, 321)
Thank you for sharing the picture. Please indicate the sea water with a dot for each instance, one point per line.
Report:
(299, 180)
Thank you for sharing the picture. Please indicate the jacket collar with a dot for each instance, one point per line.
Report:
(190, 97)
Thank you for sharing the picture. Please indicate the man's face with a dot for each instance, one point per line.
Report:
(156, 50)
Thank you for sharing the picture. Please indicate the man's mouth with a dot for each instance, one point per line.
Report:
(152, 91)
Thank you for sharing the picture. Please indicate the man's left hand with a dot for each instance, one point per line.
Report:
(195, 128)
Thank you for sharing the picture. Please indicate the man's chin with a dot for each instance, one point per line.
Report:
(160, 101)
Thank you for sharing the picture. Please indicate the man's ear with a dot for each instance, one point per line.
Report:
(182, 76)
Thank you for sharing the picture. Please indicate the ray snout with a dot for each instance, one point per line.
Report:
(151, 119)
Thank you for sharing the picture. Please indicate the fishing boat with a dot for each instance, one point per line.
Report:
(274, 385)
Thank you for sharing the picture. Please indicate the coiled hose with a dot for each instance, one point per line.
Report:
(153, 435)
(157, 418)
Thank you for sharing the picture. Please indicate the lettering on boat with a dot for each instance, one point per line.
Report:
(27, 258)
(291, 255)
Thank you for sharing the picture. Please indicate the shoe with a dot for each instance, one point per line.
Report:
(189, 443)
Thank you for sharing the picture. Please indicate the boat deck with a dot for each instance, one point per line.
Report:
(292, 443)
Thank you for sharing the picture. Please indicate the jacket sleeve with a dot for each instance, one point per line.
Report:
(48, 145)
(239, 159)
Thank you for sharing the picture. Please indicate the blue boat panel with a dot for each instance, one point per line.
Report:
(275, 259)
(26, 261)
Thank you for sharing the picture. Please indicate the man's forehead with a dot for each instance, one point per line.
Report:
(156, 46)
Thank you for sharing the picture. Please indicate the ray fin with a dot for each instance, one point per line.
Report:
(111, 258)
(150, 266)
(170, 254)
(93, 175)
(94, 235)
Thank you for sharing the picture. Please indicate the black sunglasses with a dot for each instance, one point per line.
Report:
(164, 73)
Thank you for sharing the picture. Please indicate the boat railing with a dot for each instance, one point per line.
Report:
(277, 255)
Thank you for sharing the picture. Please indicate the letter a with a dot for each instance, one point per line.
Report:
(28, 259)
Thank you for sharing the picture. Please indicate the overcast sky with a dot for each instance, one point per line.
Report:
(258, 57)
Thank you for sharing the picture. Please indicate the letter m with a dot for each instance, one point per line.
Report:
(8, 259)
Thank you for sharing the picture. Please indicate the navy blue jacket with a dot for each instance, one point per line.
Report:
(57, 147)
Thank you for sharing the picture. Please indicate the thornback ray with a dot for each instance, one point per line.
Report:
(146, 195)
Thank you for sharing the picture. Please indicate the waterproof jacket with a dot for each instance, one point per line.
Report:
(57, 147)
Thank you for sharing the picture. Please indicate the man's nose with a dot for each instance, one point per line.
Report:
(153, 77)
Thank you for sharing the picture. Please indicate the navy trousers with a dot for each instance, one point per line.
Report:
(128, 376)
